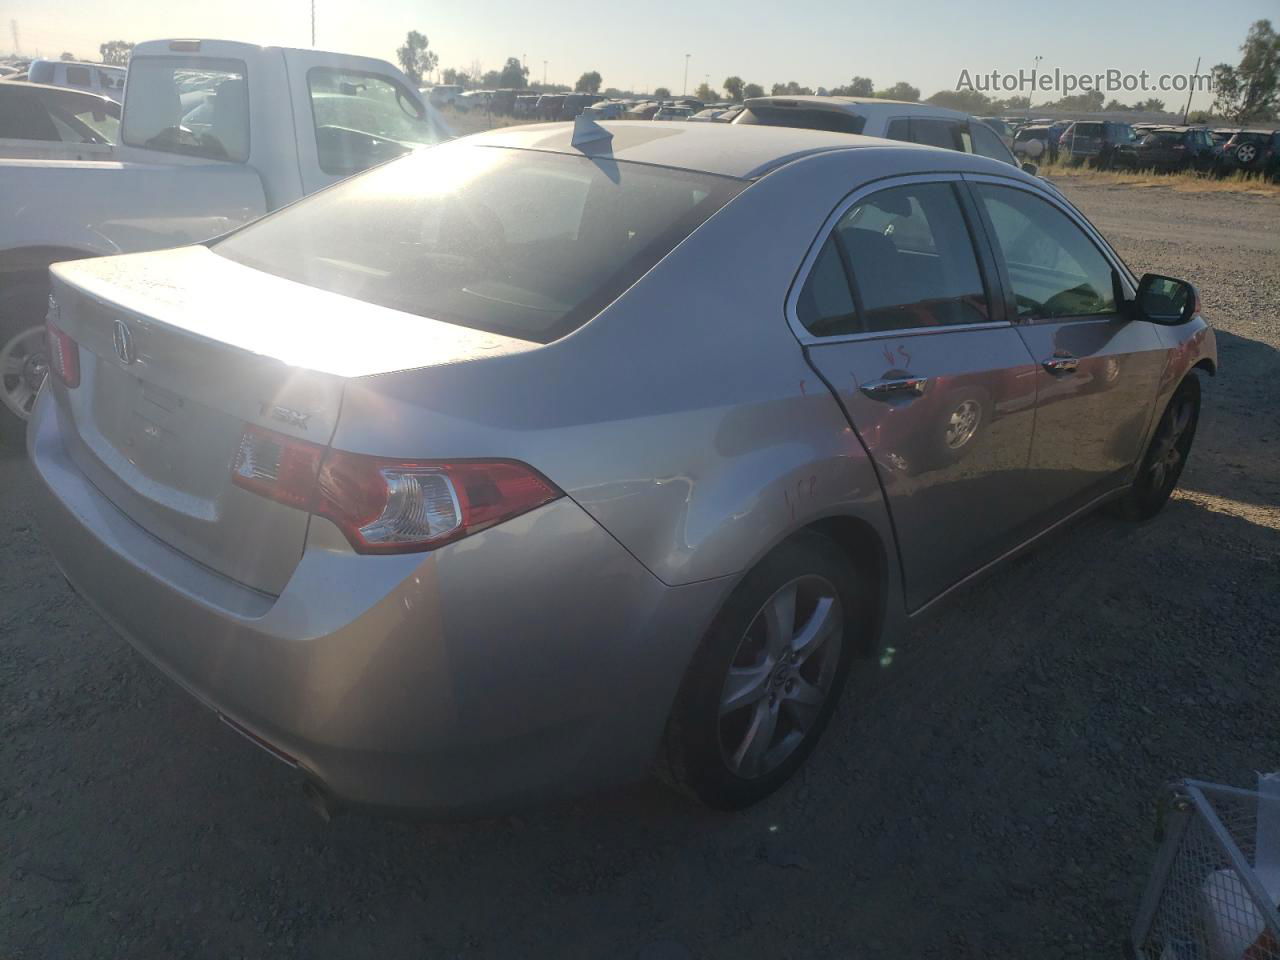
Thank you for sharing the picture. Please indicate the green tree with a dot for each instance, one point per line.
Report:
(1116, 106)
(1152, 105)
(705, 93)
(752, 90)
(514, 74)
(733, 87)
(67, 55)
(791, 89)
(588, 83)
(661, 93)
(491, 80)
(857, 87)
(116, 52)
(416, 59)
(900, 91)
(969, 101)
(1250, 91)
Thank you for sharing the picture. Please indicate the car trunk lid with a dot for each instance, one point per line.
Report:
(180, 351)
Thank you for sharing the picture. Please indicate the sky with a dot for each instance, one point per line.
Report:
(642, 46)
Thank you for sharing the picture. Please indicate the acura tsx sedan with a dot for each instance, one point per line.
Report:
(552, 456)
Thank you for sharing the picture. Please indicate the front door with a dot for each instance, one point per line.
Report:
(1098, 371)
(900, 318)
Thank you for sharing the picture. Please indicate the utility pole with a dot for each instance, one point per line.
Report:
(544, 74)
(13, 28)
(684, 91)
(313, 23)
(1191, 91)
(1035, 67)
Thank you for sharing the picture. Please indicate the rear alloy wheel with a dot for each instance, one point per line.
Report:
(24, 355)
(24, 363)
(1166, 456)
(1246, 153)
(765, 680)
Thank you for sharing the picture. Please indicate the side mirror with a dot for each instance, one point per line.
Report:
(1031, 168)
(1166, 300)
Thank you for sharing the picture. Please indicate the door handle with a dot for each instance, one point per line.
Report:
(1061, 363)
(884, 389)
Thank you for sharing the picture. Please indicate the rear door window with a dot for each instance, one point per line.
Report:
(987, 144)
(79, 77)
(163, 93)
(899, 129)
(936, 133)
(362, 119)
(908, 262)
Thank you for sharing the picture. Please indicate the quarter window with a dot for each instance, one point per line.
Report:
(79, 77)
(935, 133)
(899, 259)
(1054, 268)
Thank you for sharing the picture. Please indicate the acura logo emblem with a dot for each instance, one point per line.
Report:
(122, 339)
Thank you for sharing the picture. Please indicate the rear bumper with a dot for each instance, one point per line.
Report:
(535, 658)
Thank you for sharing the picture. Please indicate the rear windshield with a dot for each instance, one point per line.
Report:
(521, 243)
(198, 106)
(835, 121)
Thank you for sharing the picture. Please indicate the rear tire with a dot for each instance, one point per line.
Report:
(23, 356)
(1166, 455)
(764, 682)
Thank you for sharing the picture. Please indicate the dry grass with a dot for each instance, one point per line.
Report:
(463, 123)
(1186, 181)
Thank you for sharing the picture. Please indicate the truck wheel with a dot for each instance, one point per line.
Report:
(767, 676)
(24, 356)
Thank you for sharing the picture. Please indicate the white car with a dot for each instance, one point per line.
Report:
(97, 78)
(872, 117)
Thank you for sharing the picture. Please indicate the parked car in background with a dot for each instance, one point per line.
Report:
(672, 112)
(1253, 151)
(1003, 130)
(575, 103)
(1176, 148)
(526, 106)
(642, 111)
(444, 94)
(710, 115)
(54, 123)
(1038, 141)
(213, 134)
(474, 100)
(892, 119)
(1099, 143)
(97, 78)
(612, 110)
(690, 536)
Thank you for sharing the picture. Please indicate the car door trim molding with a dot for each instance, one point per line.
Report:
(806, 267)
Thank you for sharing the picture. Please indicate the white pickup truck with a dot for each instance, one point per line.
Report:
(213, 134)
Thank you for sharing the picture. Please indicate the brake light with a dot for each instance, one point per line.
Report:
(384, 505)
(64, 355)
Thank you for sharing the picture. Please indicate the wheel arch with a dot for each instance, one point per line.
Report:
(868, 554)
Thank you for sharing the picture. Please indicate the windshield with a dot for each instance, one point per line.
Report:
(521, 243)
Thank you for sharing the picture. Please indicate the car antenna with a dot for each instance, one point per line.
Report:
(586, 130)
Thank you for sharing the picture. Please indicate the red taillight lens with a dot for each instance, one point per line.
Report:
(383, 505)
(64, 355)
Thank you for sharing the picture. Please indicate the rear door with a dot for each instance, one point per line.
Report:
(900, 315)
(1097, 369)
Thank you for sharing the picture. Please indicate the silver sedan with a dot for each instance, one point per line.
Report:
(541, 459)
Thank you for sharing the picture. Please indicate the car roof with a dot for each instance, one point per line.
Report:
(56, 90)
(744, 151)
(864, 106)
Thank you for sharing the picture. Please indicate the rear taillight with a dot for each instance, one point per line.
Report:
(384, 505)
(64, 355)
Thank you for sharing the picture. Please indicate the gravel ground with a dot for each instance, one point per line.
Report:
(991, 796)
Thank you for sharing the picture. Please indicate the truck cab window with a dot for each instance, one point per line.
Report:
(198, 106)
(362, 119)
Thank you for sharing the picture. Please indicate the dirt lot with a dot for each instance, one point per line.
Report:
(991, 797)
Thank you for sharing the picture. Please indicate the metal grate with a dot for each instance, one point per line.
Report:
(1216, 883)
